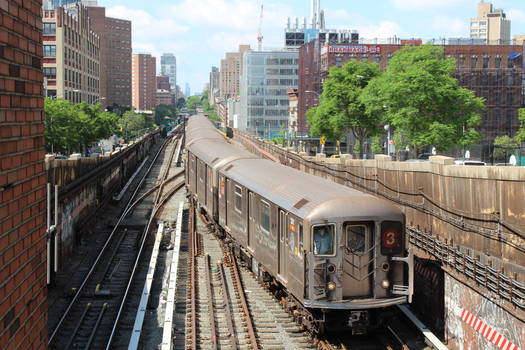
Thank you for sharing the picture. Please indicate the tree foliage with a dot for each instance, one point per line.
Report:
(134, 124)
(72, 128)
(423, 102)
(521, 133)
(504, 146)
(341, 108)
(181, 103)
(162, 111)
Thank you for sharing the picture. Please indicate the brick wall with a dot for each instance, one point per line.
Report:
(23, 306)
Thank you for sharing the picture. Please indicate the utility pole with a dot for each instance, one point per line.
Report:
(260, 36)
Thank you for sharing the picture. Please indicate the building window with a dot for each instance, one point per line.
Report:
(498, 62)
(485, 62)
(482, 23)
(49, 28)
(474, 24)
(50, 72)
(50, 50)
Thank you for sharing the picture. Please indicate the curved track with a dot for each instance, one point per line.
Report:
(91, 318)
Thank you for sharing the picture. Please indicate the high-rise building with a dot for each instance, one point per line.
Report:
(231, 68)
(144, 85)
(23, 289)
(115, 57)
(187, 90)
(491, 25)
(266, 77)
(168, 68)
(71, 61)
(213, 92)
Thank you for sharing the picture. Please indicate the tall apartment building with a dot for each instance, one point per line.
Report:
(144, 85)
(494, 72)
(490, 25)
(168, 68)
(266, 77)
(23, 289)
(187, 90)
(231, 68)
(115, 57)
(213, 91)
(71, 61)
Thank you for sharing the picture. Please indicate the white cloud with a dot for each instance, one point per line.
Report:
(145, 25)
(516, 15)
(431, 5)
(450, 27)
(383, 30)
(234, 14)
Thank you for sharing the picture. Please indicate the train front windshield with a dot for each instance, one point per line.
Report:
(324, 239)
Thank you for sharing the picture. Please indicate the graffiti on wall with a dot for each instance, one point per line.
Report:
(461, 335)
(71, 212)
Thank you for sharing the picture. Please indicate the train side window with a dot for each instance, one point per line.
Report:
(265, 216)
(292, 236)
(222, 185)
(324, 239)
(238, 198)
(356, 237)
(300, 253)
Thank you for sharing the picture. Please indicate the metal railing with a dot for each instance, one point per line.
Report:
(477, 271)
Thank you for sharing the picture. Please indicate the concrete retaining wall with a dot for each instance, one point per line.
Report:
(86, 183)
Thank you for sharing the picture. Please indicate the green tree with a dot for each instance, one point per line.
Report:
(521, 133)
(60, 119)
(504, 146)
(117, 109)
(423, 102)
(131, 123)
(162, 111)
(192, 102)
(341, 108)
(181, 103)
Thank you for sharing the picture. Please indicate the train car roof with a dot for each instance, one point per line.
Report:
(213, 151)
(304, 194)
(201, 128)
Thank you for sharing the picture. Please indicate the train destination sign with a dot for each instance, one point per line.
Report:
(371, 49)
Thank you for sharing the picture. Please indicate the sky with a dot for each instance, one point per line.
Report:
(200, 32)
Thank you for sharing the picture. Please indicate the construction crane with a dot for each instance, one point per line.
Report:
(260, 36)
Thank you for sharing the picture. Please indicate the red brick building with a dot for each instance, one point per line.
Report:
(144, 84)
(494, 72)
(115, 57)
(23, 305)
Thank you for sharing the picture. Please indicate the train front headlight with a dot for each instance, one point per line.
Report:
(385, 284)
(331, 286)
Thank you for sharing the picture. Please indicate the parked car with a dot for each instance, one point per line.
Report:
(469, 162)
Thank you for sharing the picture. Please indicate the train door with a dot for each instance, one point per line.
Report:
(228, 195)
(283, 232)
(251, 219)
(358, 259)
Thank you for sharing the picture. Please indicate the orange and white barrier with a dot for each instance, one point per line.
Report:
(488, 332)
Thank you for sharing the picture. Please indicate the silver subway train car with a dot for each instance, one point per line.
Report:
(335, 256)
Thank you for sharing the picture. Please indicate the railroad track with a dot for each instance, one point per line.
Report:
(91, 320)
(227, 307)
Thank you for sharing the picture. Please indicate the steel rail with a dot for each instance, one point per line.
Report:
(135, 267)
(80, 320)
(103, 250)
(229, 318)
(193, 290)
(97, 324)
(211, 311)
(244, 304)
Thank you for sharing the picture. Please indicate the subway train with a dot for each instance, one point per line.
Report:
(335, 255)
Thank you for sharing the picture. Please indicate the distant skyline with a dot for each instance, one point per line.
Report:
(200, 32)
